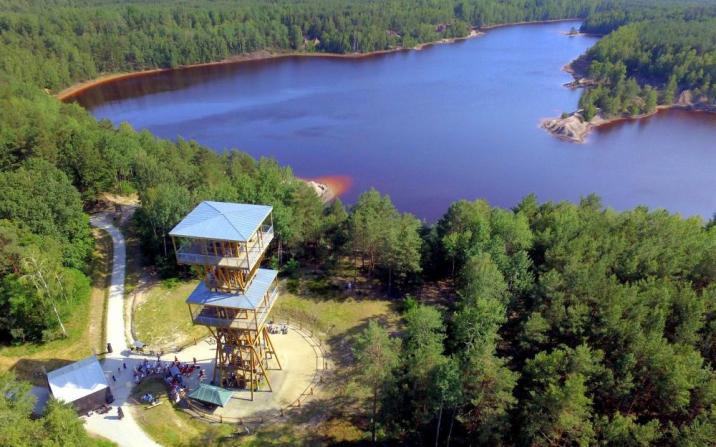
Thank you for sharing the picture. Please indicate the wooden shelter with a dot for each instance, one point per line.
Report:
(82, 384)
(227, 243)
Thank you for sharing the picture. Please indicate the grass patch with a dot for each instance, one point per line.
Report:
(85, 326)
(334, 316)
(170, 426)
(340, 314)
(281, 435)
(162, 319)
(99, 441)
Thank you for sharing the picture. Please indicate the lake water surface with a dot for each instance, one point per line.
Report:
(457, 121)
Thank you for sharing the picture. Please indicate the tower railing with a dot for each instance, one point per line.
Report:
(198, 252)
(209, 316)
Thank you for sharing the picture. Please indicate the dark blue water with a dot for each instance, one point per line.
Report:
(458, 121)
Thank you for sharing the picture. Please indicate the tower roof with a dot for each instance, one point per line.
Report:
(247, 300)
(223, 221)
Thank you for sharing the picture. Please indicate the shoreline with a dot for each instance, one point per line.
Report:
(328, 187)
(563, 129)
(572, 128)
(80, 87)
(261, 55)
(539, 22)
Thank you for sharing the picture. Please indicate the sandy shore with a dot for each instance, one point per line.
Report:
(329, 187)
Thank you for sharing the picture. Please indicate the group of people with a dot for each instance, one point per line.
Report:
(147, 368)
(277, 328)
(149, 398)
(173, 374)
(234, 382)
(160, 368)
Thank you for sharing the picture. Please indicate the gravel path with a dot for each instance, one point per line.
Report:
(125, 432)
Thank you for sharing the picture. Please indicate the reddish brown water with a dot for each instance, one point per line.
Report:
(430, 127)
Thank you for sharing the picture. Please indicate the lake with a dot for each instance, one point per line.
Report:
(449, 122)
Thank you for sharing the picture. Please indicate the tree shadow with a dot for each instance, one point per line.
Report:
(35, 370)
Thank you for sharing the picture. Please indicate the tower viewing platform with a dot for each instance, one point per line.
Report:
(226, 240)
(247, 311)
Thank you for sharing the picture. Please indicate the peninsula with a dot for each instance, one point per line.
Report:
(640, 69)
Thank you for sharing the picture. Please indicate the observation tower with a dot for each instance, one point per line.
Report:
(227, 242)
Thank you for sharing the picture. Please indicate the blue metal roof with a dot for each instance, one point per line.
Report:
(223, 221)
(249, 300)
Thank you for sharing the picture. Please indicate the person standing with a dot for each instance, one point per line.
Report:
(120, 413)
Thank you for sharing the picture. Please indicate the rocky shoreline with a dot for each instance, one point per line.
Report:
(570, 128)
(574, 128)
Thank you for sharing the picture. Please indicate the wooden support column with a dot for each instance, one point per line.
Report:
(251, 376)
(263, 371)
(217, 359)
(216, 252)
(273, 350)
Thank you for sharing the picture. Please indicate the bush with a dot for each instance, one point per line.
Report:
(291, 268)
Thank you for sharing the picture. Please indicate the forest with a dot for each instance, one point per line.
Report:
(649, 57)
(59, 148)
(79, 41)
(574, 324)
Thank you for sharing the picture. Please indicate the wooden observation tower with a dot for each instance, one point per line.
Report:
(227, 242)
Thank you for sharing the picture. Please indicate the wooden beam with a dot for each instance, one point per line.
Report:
(273, 350)
(263, 371)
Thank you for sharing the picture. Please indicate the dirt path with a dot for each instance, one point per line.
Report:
(125, 432)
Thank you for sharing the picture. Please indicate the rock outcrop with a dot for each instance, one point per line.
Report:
(322, 190)
(572, 127)
(688, 100)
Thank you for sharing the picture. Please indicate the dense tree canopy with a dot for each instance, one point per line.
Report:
(59, 426)
(649, 57)
(609, 339)
(574, 324)
(52, 44)
(384, 238)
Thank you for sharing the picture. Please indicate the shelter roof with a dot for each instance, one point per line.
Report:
(77, 380)
(211, 394)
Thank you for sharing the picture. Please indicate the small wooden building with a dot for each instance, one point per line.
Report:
(82, 384)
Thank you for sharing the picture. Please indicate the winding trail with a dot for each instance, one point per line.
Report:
(124, 432)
